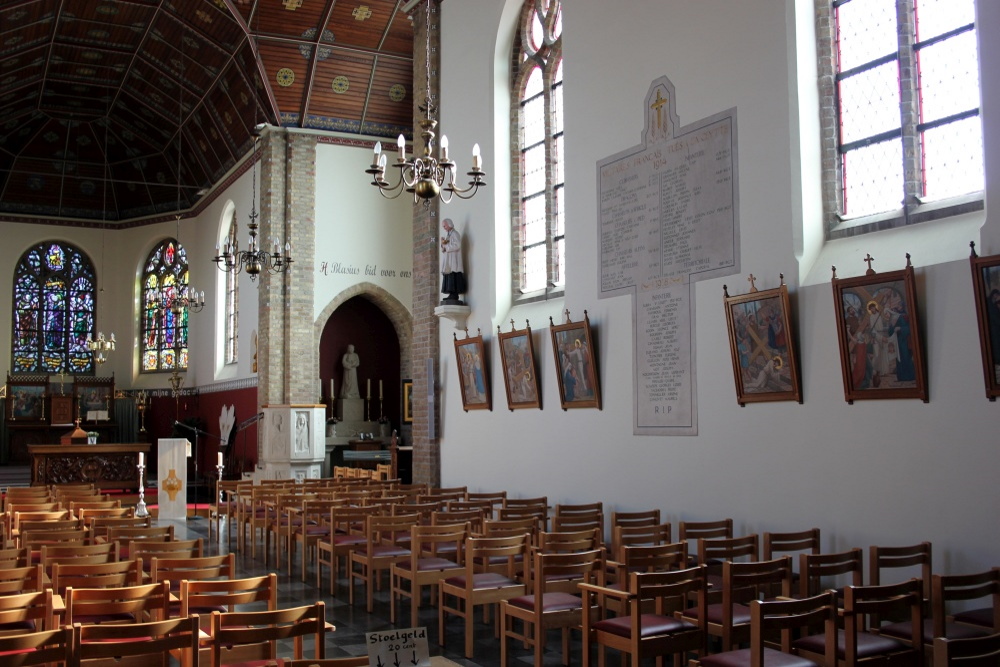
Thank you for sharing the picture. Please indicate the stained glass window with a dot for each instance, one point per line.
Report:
(232, 306)
(539, 228)
(54, 308)
(164, 344)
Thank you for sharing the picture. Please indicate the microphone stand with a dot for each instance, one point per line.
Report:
(194, 454)
(242, 426)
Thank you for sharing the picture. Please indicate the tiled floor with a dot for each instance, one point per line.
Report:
(353, 622)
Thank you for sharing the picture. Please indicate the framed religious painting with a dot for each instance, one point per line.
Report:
(517, 356)
(407, 402)
(878, 328)
(95, 398)
(986, 281)
(576, 367)
(762, 344)
(473, 375)
(26, 398)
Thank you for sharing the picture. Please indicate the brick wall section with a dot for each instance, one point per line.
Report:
(270, 334)
(829, 126)
(909, 102)
(426, 277)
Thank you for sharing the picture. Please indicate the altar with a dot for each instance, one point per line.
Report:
(109, 466)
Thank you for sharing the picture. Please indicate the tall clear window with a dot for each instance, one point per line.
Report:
(54, 308)
(232, 305)
(539, 224)
(906, 90)
(164, 345)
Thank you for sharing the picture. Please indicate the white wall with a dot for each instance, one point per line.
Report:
(885, 472)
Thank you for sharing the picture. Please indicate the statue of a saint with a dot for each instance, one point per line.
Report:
(452, 269)
(351, 361)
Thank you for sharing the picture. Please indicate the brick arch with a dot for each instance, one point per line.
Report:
(398, 314)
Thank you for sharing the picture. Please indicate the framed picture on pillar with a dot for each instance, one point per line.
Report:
(576, 367)
(986, 281)
(517, 356)
(473, 373)
(407, 401)
(762, 344)
(881, 354)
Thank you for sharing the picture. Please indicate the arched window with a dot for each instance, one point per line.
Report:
(899, 89)
(538, 181)
(232, 319)
(164, 329)
(54, 307)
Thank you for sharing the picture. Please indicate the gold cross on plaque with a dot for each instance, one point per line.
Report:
(291, 5)
(361, 12)
(658, 105)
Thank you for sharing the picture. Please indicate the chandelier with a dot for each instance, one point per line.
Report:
(101, 346)
(254, 260)
(424, 175)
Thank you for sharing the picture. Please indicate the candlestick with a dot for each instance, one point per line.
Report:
(141, 458)
(333, 394)
(380, 390)
(368, 391)
(220, 459)
(220, 468)
(140, 507)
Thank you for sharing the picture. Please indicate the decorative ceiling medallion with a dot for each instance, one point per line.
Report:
(11, 41)
(324, 51)
(87, 187)
(98, 34)
(291, 5)
(285, 77)
(85, 71)
(361, 12)
(109, 10)
(203, 15)
(340, 84)
(397, 92)
(50, 136)
(92, 55)
(35, 183)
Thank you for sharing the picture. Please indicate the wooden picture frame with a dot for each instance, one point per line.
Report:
(407, 401)
(26, 398)
(94, 399)
(762, 344)
(473, 372)
(878, 327)
(576, 364)
(986, 283)
(520, 375)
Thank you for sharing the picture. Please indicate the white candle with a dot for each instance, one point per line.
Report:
(220, 459)
(332, 394)
(368, 391)
(380, 390)
(141, 458)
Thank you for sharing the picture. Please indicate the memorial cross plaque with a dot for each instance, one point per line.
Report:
(668, 218)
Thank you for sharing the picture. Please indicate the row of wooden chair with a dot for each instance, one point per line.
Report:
(233, 638)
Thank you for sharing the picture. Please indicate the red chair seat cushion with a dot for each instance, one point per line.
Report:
(741, 658)
(483, 581)
(430, 565)
(713, 614)
(651, 625)
(904, 631)
(983, 617)
(869, 645)
(551, 602)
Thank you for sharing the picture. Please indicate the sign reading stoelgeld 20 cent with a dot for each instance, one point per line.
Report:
(398, 648)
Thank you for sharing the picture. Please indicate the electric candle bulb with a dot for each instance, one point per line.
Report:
(141, 458)
(220, 459)
(476, 157)
(444, 147)
(401, 142)
(378, 151)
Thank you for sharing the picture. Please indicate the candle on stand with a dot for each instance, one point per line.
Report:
(141, 458)
(220, 458)
(332, 394)
(380, 390)
(368, 391)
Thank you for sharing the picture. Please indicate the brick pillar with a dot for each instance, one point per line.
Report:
(426, 274)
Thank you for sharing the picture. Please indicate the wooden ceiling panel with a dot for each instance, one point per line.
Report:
(24, 27)
(363, 23)
(341, 85)
(385, 106)
(291, 18)
(287, 73)
(400, 36)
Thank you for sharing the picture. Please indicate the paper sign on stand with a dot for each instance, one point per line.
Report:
(398, 648)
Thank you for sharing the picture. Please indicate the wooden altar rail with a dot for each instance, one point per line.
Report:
(110, 466)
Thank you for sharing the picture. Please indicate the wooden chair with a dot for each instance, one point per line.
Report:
(14, 557)
(520, 508)
(215, 595)
(256, 514)
(481, 583)
(25, 579)
(88, 514)
(639, 535)
(642, 632)
(204, 568)
(949, 589)
(99, 525)
(149, 549)
(969, 652)
(579, 517)
(818, 571)
(856, 645)
(385, 544)
(75, 506)
(549, 606)
(635, 519)
(308, 531)
(124, 535)
(36, 539)
(79, 554)
(787, 619)
(495, 498)
(472, 516)
(692, 531)
(24, 494)
(644, 558)
(117, 604)
(36, 528)
(238, 637)
(792, 543)
(114, 574)
(227, 492)
(287, 516)
(741, 583)
(714, 552)
(347, 532)
(136, 645)
(355, 661)
(26, 612)
(426, 566)
(913, 561)
(35, 649)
